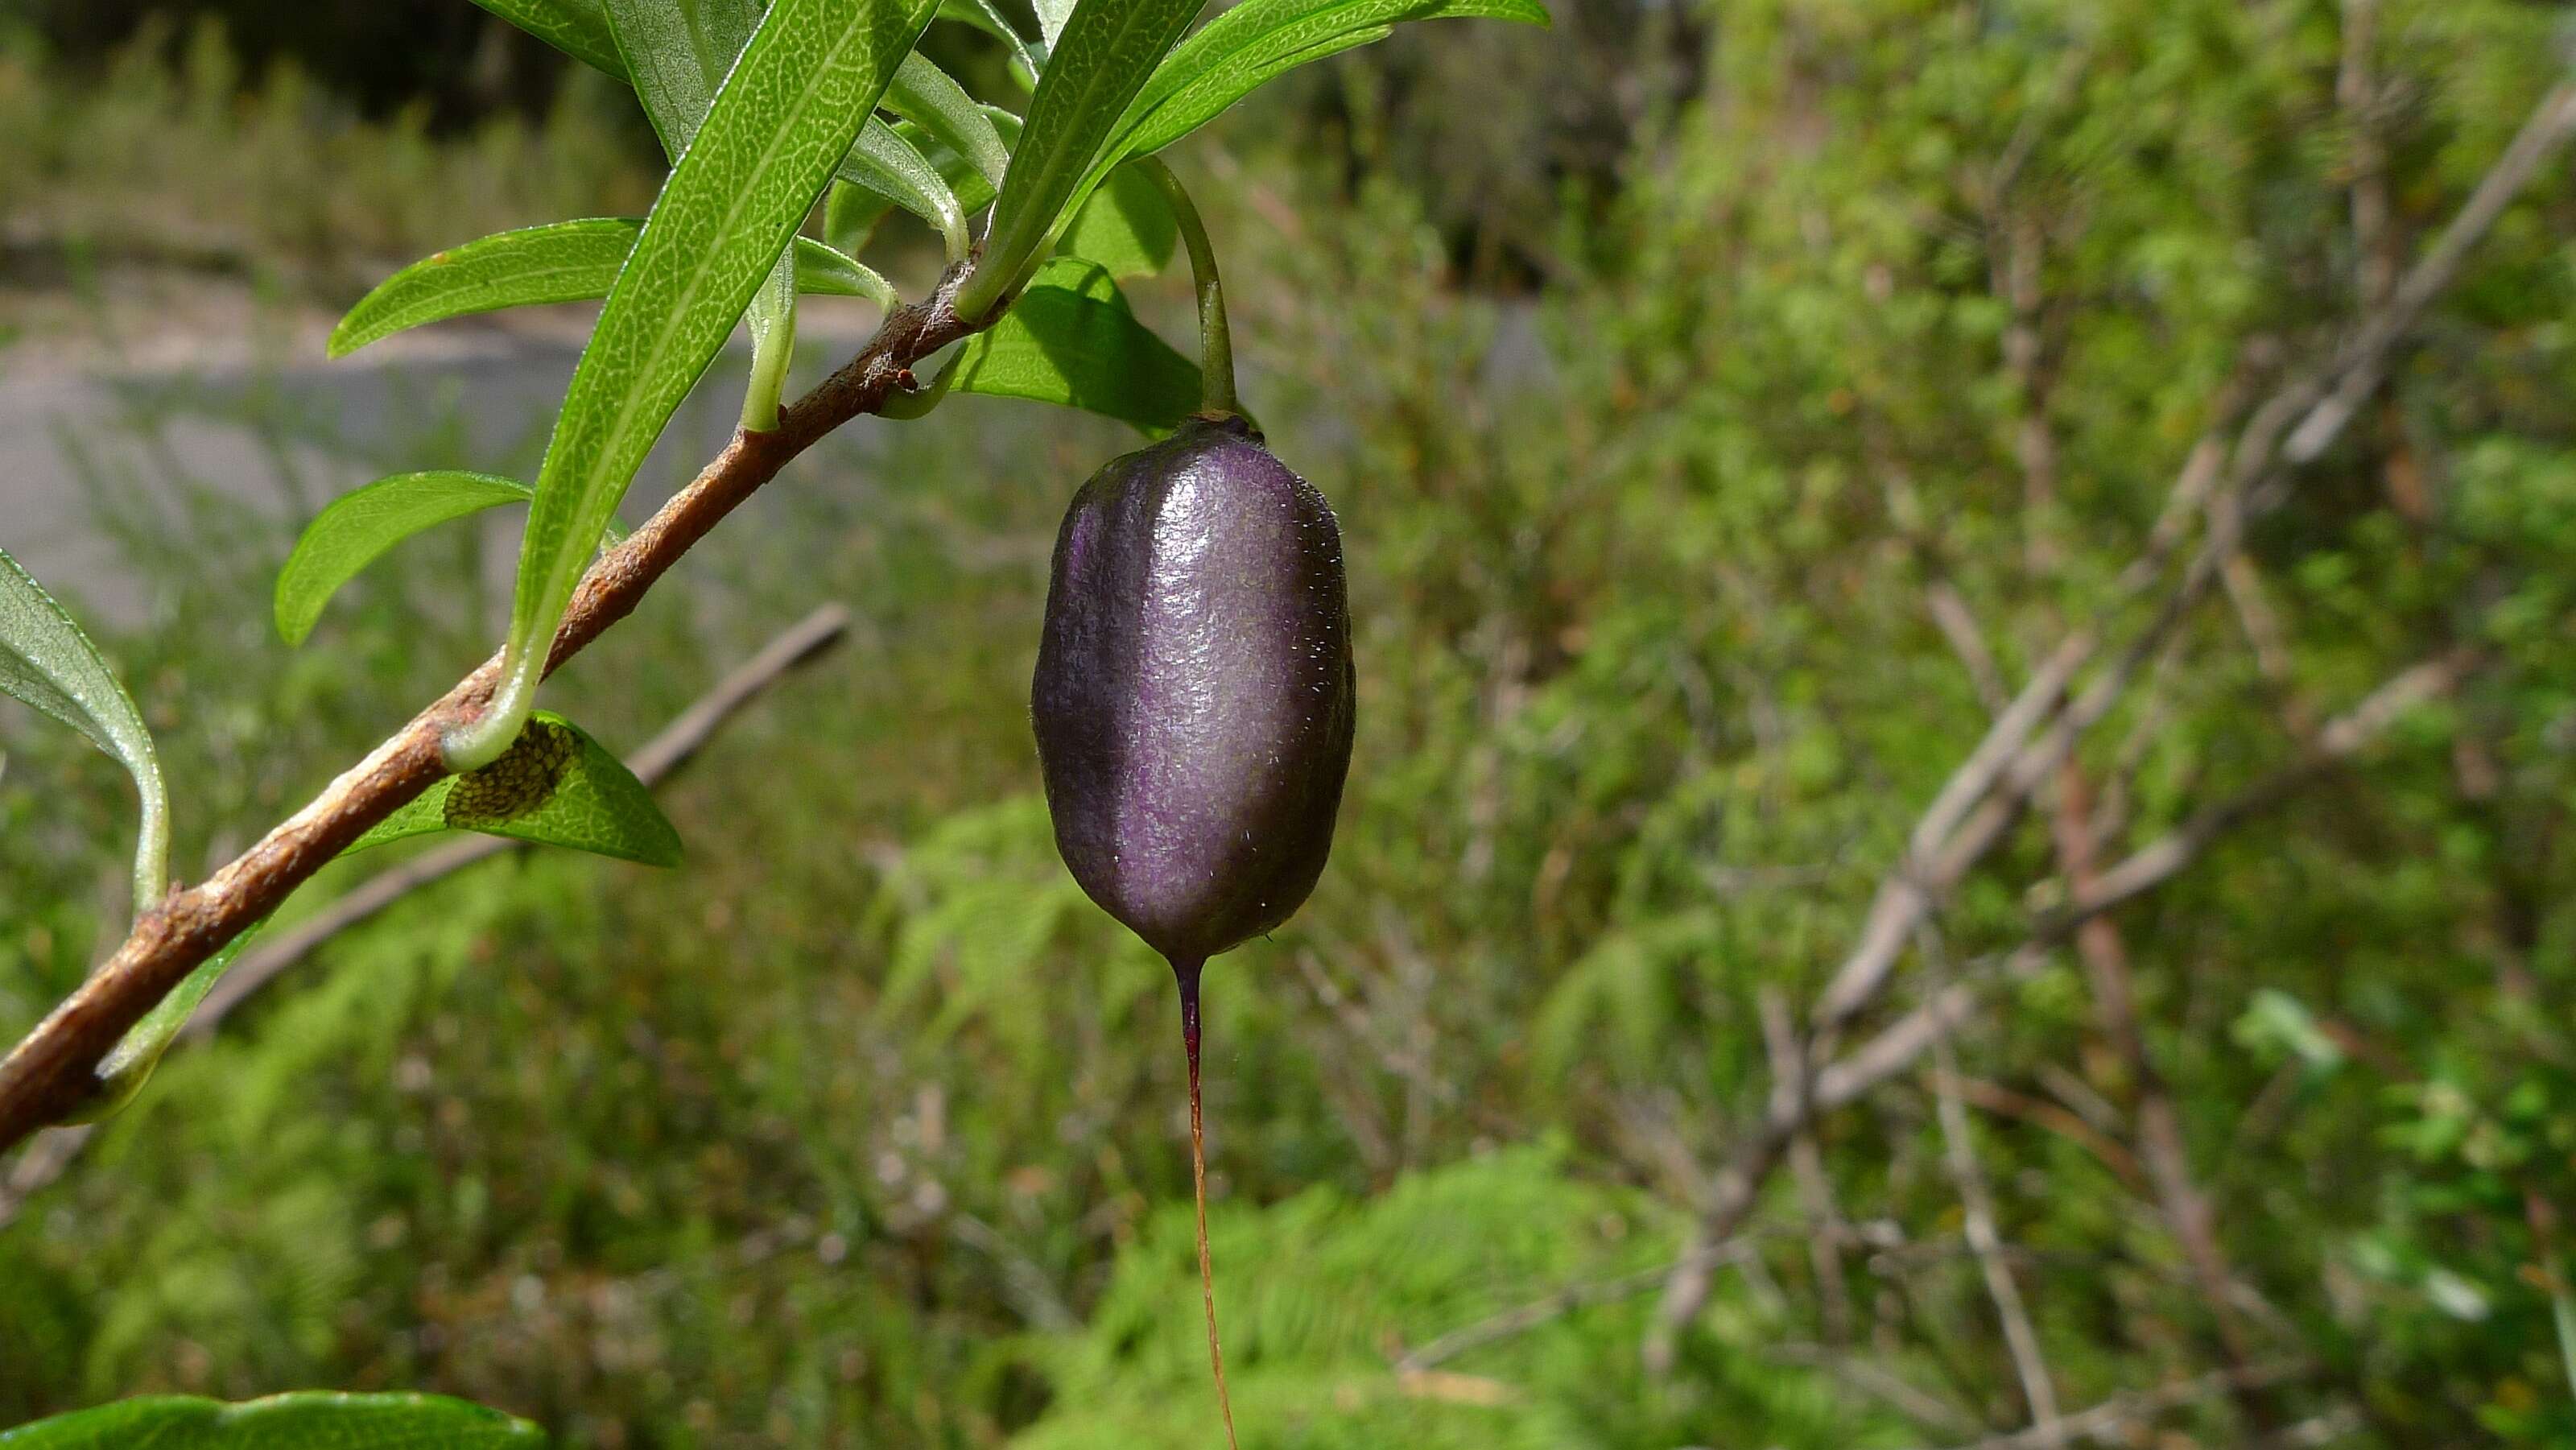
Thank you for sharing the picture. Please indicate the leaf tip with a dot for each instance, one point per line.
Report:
(294, 622)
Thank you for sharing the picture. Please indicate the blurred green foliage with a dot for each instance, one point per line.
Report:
(866, 1127)
(453, 61)
(173, 149)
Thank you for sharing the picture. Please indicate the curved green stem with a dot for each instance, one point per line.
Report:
(475, 745)
(151, 846)
(907, 406)
(772, 317)
(1216, 343)
(952, 233)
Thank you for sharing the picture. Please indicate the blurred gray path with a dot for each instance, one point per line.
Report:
(83, 446)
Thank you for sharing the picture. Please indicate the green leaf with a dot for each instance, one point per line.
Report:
(578, 28)
(678, 52)
(306, 1420)
(575, 261)
(854, 211)
(1195, 106)
(47, 662)
(823, 272)
(1071, 340)
(1084, 278)
(359, 526)
(785, 117)
(1126, 227)
(1254, 43)
(772, 320)
(1108, 50)
(984, 15)
(1052, 15)
(882, 162)
(928, 97)
(554, 786)
(128, 1065)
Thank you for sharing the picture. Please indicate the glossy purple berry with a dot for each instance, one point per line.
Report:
(1193, 699)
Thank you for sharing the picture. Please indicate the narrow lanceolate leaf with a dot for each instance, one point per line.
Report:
(128, 1065)
(785, 117)
(854, 211)
(1107, 51)
(361, 525)
(309, 1420)
(574, 261)
(1126, 227)
(1247, 47)
(1052, 16)
(558, 262)
(678, 52)
(554, 786)
(883, 163)
(578, 28)
(1070, 340)
(47, 662)
(823, 272)
(928, 97)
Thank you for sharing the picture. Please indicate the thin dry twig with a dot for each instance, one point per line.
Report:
(1788, 1055)
(2364, 359)
(1023, 1282)
(1879, 1381)
(2187, 1210)
(2188, 1213)
(1949, 833)
(1896, 1047)
(1958, 625)
(688, 732)
(2357, 92)
(1970, 815)
(1987, 792)
(53, 1069)
(1403, 1062)
(1977, 1213)
(1525, 1317)
(2121, 1411)
(2003, 1102)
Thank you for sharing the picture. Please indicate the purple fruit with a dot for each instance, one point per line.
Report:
(1194, 689)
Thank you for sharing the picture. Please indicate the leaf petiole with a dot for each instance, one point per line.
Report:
(772, 319)
(917, 402)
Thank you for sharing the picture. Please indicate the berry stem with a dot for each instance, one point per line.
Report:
(1216, 342)
(1188, 974)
